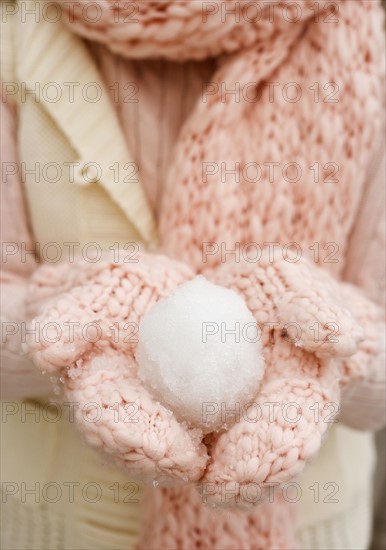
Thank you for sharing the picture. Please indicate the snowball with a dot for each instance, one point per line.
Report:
(191, 359)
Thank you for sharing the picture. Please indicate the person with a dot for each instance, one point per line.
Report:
(84, 107)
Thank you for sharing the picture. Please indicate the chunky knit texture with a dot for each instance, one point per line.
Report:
(310, 373)
(186, 523)
(187, 29)
(335, 128)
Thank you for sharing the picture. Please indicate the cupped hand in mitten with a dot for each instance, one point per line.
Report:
(307, 335)
(86, 318)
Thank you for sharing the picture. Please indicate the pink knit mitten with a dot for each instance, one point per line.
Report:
(86, 316)
(306, 333)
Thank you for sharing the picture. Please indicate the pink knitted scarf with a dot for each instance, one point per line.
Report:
(276, 151)
(293, 111)
(190, 29)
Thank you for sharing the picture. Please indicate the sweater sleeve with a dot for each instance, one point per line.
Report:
(363, 405)
(19, 378)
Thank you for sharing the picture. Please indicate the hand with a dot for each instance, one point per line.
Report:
(86, 316)
(273, 438)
